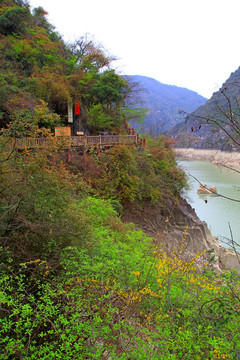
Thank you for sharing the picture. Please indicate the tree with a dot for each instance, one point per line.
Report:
(39, 18)
(99, 119)
(110, 89)
(13, 21)
(90, 56)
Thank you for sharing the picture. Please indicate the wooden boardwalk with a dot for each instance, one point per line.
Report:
(79, 141)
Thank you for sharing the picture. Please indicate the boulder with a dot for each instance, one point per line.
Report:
(204, 190)
(213, 189)
(231, 261)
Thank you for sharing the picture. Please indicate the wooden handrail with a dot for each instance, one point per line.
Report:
(102, 140)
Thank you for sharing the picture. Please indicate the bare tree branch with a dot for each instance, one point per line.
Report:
(223, 196)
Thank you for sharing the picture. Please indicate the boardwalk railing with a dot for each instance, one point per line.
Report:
(104, 140)
(30, 143)
(81, 141)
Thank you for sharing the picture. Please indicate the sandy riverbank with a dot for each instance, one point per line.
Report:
(225, 158)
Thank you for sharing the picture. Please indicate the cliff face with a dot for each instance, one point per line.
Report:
(207, 127)
(177, 226)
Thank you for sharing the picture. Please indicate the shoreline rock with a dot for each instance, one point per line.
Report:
(178, 223)
(217, 157)
(204, 190)
(227, 258)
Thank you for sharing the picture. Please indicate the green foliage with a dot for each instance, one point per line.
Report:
(118, 297)
(44, 117)
(39, 19)
(117, 175)
(38, 216)
(37, 64)
(78, 283)
(110, 88)
(26, 123)
(130, 176)
(89, 56)
(14, 20)
(99, 119)
(136, 114)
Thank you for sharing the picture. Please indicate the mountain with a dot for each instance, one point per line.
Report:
(163, 103)
(216, 124)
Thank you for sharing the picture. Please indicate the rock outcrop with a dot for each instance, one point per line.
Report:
(179, 225)
(204, 190)
(230, 260)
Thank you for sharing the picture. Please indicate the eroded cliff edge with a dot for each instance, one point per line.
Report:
(178, 224)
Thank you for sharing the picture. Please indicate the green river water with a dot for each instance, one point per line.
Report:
(219, 213)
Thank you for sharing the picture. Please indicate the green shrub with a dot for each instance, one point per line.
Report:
(129, 176)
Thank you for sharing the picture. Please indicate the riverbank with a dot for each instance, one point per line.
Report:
(218, 157)
(217, 212)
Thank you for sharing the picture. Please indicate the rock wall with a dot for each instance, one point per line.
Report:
(179, 225)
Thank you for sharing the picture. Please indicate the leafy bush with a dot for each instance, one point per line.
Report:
(119, 297)
(14, 20)
(130, 176)
(37, 202)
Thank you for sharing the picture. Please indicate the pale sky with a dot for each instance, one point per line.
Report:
(189, 43)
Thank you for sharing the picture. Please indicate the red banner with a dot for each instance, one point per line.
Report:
(77, 107)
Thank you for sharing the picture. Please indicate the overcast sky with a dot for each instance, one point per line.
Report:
(188, 43)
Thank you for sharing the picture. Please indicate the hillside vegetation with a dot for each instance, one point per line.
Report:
(76, 282)
(36, 65)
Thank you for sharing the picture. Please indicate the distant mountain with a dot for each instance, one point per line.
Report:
(207, 127)
(163, 103)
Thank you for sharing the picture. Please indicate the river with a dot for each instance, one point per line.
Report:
(220, 214)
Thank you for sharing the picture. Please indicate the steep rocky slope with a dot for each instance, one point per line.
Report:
(178, 226)
(212, 123)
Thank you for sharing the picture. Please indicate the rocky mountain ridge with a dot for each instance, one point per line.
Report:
(213, 124)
